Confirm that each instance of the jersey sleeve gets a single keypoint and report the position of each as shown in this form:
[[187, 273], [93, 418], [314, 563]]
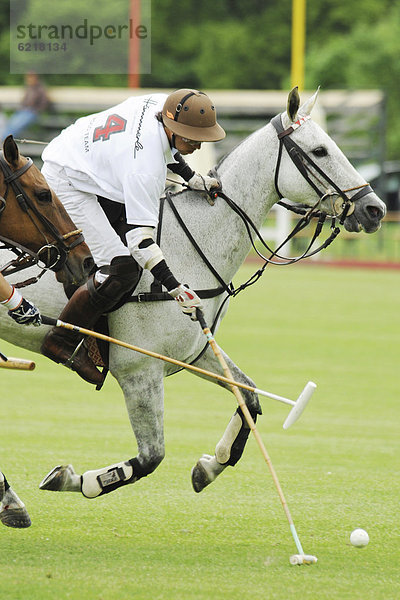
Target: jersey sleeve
[[141, 193]]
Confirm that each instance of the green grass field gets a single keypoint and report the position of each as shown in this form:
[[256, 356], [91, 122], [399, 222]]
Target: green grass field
[[157, 540]]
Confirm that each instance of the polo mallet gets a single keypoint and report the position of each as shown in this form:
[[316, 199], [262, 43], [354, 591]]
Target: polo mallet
[[296, 559], [298, 406], [16, 363]]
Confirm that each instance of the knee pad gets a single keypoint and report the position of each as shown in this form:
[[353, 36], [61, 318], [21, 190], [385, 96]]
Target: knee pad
[[112, 282], [230, 448]]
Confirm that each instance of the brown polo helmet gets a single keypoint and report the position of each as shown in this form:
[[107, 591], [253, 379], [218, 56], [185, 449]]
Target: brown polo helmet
[[191, 114]]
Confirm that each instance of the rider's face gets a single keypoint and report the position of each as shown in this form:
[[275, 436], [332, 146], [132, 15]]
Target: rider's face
[[182, 144], [186, 146]]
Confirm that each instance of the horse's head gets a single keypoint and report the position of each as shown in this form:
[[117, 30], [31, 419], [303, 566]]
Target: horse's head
[[323, 177], [32, 216]]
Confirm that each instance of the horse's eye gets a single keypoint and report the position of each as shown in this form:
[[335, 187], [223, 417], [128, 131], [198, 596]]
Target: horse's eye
[[44, 196], [320, 151]]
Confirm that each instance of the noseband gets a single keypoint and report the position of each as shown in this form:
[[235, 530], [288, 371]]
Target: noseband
[[344, 205], [53, 254]]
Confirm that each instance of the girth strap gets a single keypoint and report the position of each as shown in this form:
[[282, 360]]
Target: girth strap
[[162, 296]]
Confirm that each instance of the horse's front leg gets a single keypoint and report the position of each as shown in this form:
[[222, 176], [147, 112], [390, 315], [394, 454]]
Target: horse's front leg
[[144, 396], [231, 446], [12, 510]]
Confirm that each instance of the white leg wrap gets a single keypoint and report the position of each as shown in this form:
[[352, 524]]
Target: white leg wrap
[[224, 446], [96, 482]]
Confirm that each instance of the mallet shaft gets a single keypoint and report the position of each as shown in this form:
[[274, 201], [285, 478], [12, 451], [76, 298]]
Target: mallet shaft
[[274, 396], [174, 361], [252, 425]]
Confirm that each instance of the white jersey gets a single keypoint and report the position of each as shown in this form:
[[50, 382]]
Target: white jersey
[[120, 153]]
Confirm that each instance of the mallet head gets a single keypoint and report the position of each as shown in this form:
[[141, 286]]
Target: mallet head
[[303, 559], [300, 405]]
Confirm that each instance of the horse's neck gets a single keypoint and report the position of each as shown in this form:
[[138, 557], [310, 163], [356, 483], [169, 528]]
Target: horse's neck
[[247, 174]]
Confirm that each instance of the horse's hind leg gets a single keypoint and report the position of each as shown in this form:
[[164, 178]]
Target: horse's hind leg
[[231, 446], [144, 399]]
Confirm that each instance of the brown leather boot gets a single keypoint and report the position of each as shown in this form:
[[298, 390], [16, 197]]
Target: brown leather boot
[[62, 345]]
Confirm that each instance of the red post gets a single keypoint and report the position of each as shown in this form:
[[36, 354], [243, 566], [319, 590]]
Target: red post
[[134, 45]]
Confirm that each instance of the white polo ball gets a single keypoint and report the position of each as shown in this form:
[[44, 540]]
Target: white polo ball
[[359, 538]]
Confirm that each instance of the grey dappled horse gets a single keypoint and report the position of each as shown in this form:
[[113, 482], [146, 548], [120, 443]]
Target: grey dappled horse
[[251, 175]]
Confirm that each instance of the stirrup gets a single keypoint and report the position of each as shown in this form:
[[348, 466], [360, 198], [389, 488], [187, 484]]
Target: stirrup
[[70, 362]]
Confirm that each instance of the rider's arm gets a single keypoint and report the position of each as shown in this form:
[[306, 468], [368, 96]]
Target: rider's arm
[[19, 309], [195, 180], [5, 289], [181, 168], [142, 192], [149, 256]]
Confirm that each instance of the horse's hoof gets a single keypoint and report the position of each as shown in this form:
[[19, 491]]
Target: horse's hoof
[[61, 479], [201, 476], [15, 517]]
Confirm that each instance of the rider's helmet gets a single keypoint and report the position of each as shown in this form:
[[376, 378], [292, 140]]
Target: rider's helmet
[[191, 114]]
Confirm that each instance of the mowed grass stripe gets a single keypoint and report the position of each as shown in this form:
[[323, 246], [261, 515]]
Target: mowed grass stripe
[[338, 465]]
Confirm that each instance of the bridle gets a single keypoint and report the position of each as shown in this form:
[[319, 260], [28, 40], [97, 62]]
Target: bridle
[[304, 164], [343, 206], [53, 254]]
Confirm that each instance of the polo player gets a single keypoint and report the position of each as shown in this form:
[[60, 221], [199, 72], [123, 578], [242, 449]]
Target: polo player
[[122, 154]]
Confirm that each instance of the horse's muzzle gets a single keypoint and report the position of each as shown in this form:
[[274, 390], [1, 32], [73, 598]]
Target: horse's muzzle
[[367, 216]]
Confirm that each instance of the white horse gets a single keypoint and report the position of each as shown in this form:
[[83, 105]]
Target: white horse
[[255, 175]]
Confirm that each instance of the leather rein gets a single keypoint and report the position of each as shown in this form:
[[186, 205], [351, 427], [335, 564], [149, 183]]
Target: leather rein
[[53, 254], [342, 207]]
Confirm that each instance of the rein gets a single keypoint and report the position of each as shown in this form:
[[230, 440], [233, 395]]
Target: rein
[[314, 175], [53, 254]]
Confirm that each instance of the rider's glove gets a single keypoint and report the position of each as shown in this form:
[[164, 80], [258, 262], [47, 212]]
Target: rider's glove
[[204, 183], [187, 299], [26, 314]]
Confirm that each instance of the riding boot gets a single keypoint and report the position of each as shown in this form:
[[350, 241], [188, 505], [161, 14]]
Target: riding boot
[[65, 346], [102, 293]]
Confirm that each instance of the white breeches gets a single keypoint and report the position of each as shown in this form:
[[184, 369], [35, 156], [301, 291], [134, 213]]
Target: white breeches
[[87, 214]]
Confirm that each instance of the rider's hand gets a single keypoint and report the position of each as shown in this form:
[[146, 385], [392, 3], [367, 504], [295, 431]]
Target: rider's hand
[[187, 299], [203, 182], [26, 314]]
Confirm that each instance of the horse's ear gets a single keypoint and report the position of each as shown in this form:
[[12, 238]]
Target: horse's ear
[[293, 104], [306, 108], [10, 150]]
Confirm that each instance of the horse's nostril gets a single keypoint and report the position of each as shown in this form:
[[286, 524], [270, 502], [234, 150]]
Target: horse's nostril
[[375, 212], [88, 264]]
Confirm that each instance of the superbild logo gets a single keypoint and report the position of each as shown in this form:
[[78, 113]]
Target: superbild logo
[[83, 31]]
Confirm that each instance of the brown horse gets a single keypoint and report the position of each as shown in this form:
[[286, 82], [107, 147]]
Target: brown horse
[[34, 223], [36, 227]]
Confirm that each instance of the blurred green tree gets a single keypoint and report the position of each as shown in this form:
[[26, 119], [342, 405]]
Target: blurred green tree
[[246, 44]]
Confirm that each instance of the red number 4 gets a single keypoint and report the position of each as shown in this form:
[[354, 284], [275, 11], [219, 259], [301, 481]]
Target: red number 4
[[114, 124]]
